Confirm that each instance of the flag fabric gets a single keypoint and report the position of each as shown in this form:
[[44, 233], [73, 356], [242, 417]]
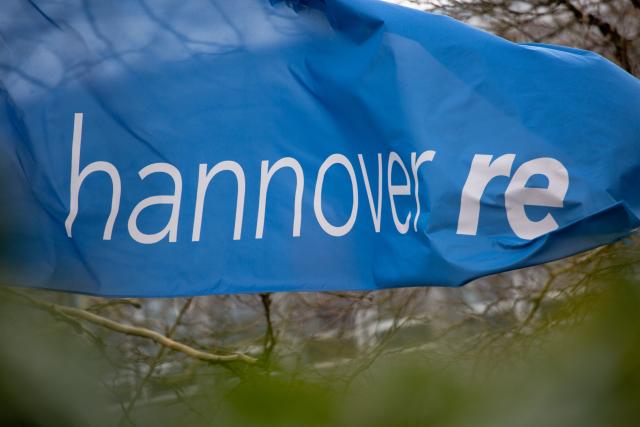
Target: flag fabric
[[171, 148]]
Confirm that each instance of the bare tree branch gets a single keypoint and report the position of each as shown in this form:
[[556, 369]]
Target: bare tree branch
[[76, 313], [620, 43], [269, 337]]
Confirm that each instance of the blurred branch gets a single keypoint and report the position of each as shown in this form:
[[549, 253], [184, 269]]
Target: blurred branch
[[620, 43], [576, 266], [76, 313], [269, 337], [97, 307], [154, 363]]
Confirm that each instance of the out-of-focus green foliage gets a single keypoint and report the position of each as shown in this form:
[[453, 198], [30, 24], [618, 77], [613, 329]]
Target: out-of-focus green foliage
[[576, 373], [48, 377], [586, 375]]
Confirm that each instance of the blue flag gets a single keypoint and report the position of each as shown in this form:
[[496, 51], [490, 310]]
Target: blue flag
[[170, 148]]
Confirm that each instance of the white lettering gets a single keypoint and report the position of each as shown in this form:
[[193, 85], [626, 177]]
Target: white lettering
[[171, 228], [426, 156], [77, 178], [265, 177], [376, 213], [518, 196], [204, 178], [337, 231], [482, 171], [398, 190]]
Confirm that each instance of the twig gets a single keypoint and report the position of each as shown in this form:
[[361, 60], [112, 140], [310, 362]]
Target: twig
[[154, 363], [269, 337]]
